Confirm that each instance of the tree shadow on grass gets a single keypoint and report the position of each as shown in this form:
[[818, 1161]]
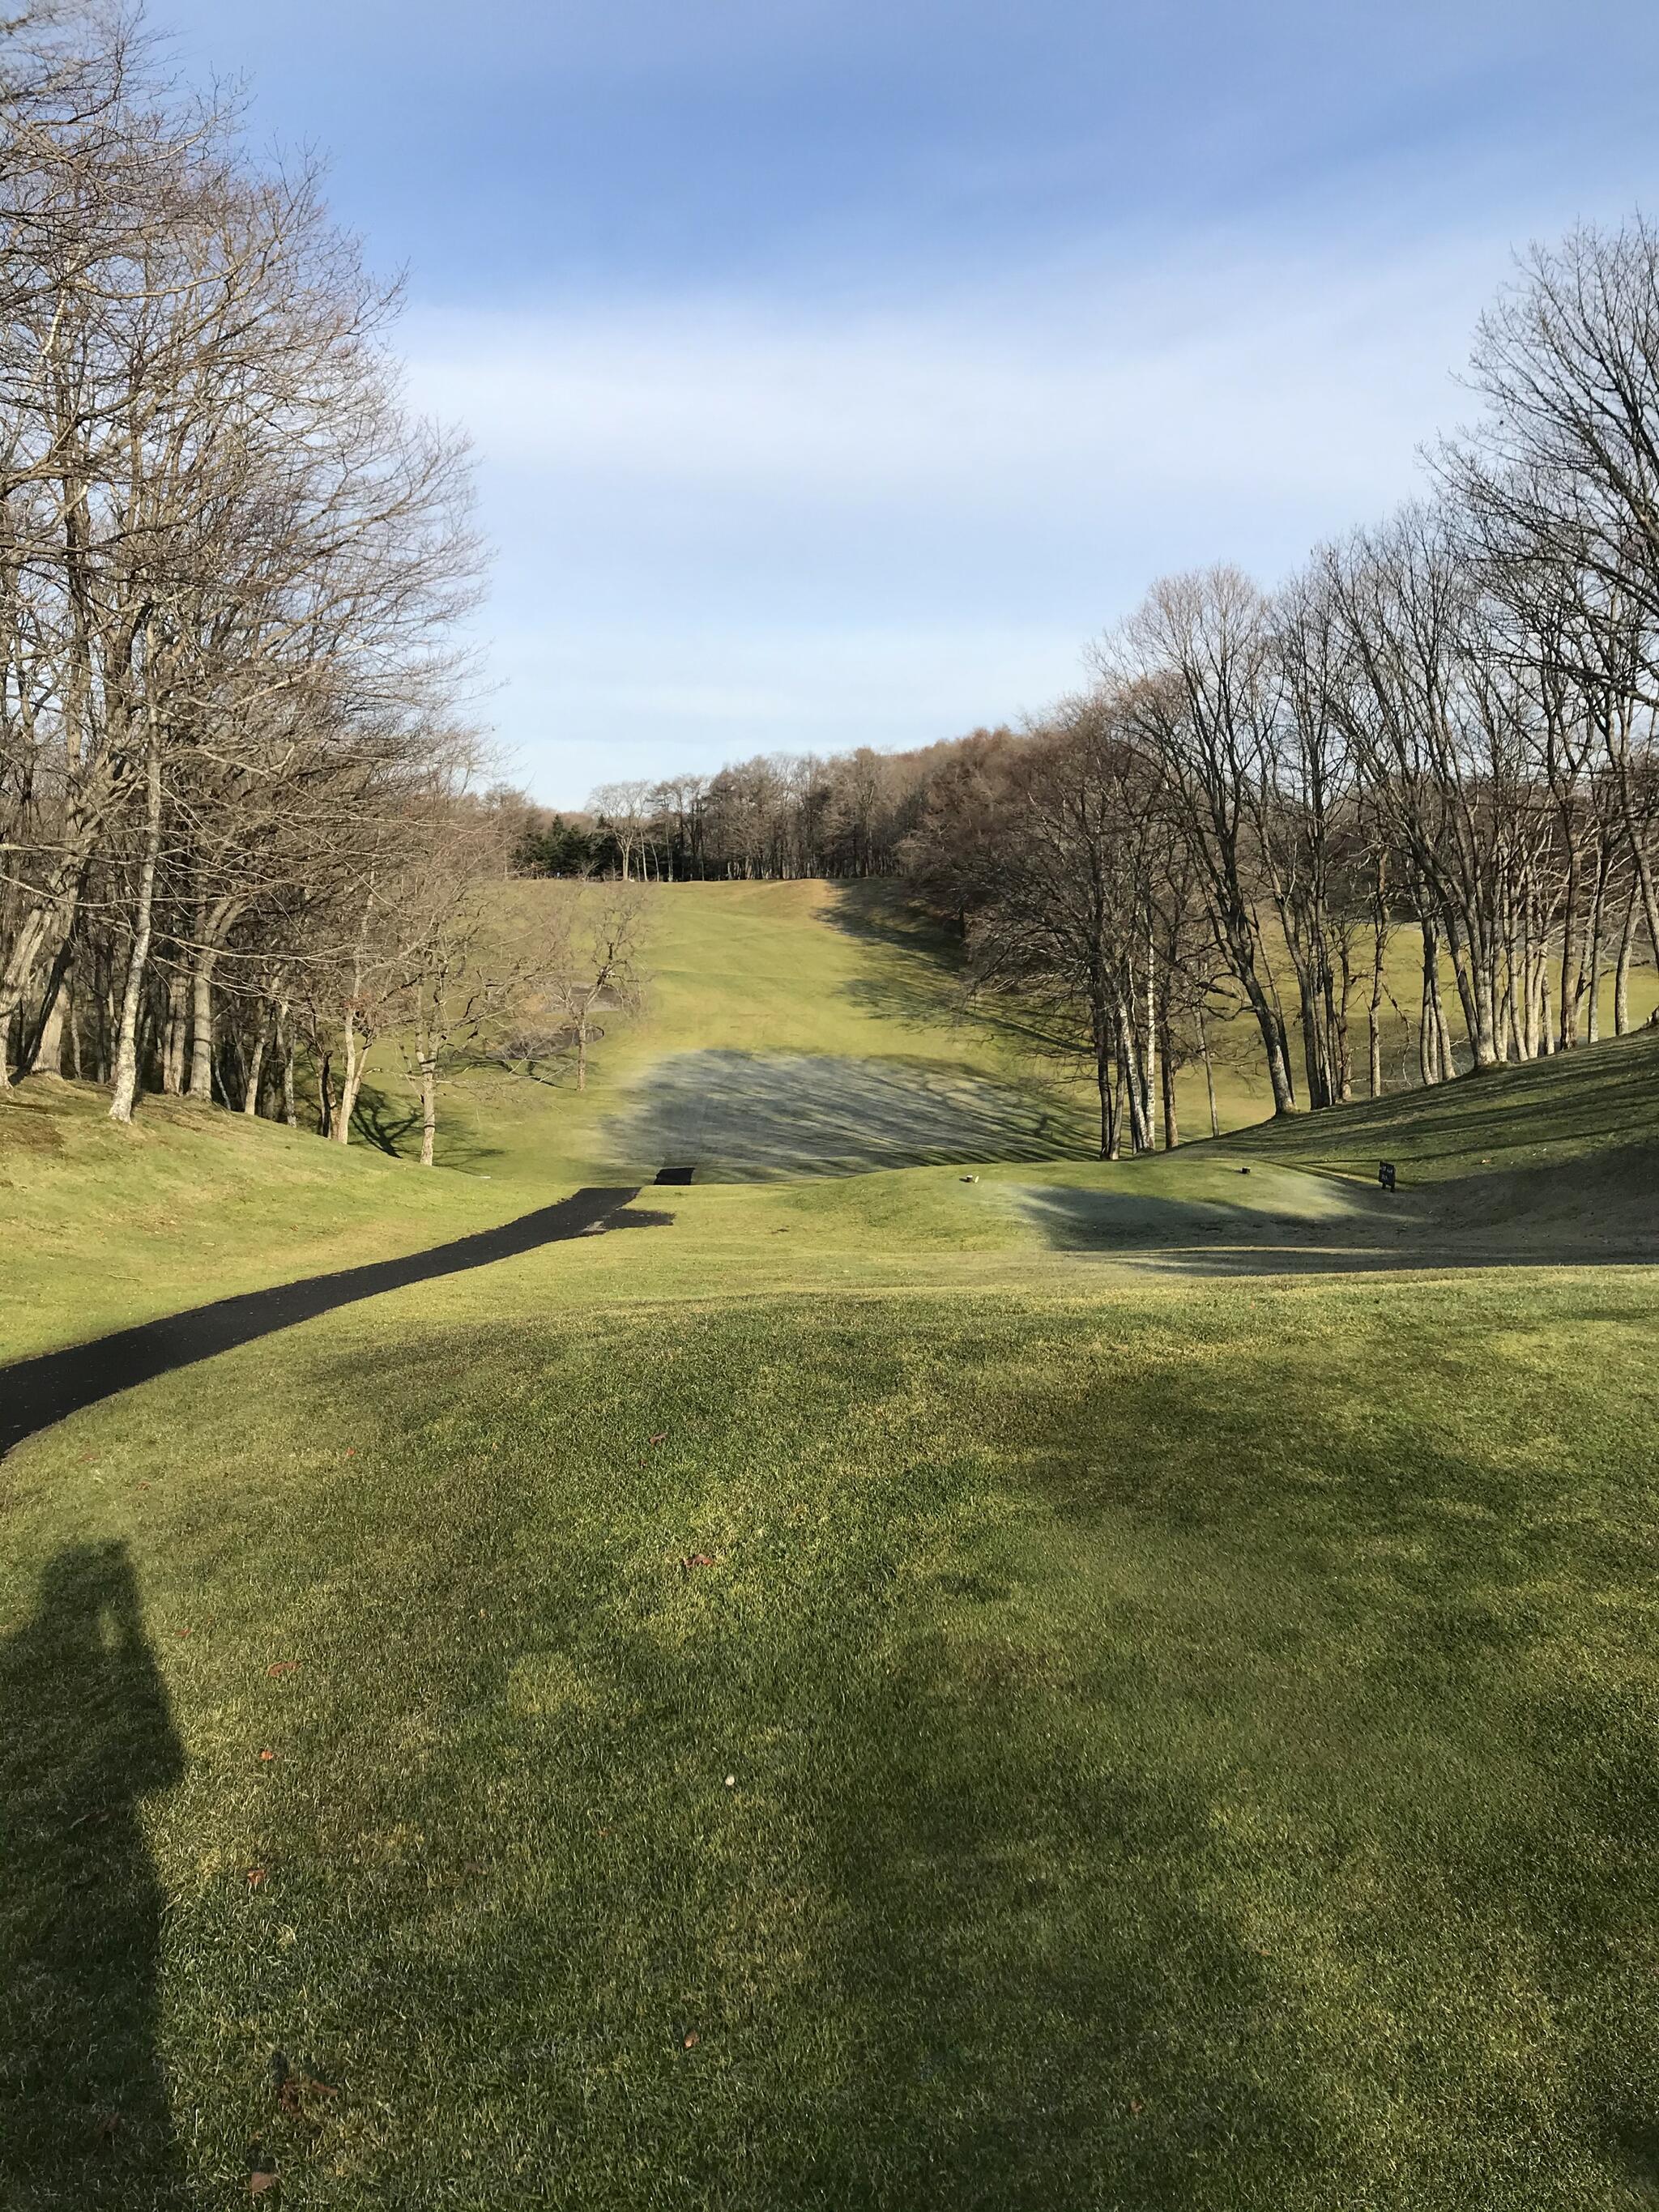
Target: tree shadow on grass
[[759, 1117], [1602, 1096], [392, 1124], [86, 1734], [47, 1388], [1602, 1211], [919, 981], [383, 1121]]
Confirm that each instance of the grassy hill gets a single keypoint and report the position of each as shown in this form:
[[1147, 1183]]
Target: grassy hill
[[791, 1032], [1125, 1686]]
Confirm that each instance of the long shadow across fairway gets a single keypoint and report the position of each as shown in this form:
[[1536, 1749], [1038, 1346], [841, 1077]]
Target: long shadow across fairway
[[35, 1393]]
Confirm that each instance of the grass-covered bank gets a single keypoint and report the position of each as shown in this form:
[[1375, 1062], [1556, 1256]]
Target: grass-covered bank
[[1187, 1747], [100, 1226], [803, 1042], [1183, 1665]]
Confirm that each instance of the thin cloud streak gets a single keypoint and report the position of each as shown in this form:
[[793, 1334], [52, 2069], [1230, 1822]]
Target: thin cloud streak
[[974, 487]]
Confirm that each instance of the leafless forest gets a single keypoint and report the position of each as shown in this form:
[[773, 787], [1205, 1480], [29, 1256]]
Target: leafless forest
[[1445, 723], [234, 750]]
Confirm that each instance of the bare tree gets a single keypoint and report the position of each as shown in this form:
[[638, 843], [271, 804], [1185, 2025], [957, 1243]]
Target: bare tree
[[1202, 683], [579, 954]]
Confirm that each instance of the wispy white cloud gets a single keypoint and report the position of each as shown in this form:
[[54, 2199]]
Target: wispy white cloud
[[682, 487], [1214, 379]]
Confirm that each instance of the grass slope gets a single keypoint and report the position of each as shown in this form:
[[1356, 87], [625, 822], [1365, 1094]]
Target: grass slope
[[791, 1030], [1188, 1739], [101, 1225], [1187, 1748]]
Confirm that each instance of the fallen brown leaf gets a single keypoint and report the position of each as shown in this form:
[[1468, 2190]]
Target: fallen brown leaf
[[282, 1666], [697, 1560], [263, 1755], [257, 2183], [109, 2127], [690, 2040], [661, 1436], [256, 1876]]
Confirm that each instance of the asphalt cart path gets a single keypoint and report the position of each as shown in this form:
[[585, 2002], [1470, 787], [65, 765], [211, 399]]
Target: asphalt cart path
[[35, 1393]]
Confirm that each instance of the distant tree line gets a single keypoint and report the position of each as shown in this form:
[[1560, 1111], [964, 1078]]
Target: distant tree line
[[779, 817], [1444, 723]]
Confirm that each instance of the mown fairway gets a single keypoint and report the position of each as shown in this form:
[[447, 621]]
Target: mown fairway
[[1183, 1652]]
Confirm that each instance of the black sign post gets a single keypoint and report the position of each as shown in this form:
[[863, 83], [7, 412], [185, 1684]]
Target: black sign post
[[1385, 1174]]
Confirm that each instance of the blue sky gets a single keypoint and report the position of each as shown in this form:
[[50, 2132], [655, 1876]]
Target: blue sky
[[837, 370]]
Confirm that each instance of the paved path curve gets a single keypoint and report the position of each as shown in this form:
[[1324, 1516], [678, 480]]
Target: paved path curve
[[35, 1393]]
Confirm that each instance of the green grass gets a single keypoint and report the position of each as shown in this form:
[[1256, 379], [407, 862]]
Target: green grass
[[1183, 1645], [104, 1225], [100, 1226], [787, 1027], [1189, 1749]]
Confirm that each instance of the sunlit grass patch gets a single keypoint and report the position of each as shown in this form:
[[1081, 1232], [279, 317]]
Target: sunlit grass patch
[[1184, 1747]]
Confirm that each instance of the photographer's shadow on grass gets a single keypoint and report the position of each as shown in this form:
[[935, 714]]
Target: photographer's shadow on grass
[[86, 1735]]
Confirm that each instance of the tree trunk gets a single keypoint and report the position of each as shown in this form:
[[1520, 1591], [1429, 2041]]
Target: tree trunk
[[1209, 1071], [1568, 1036], [44, 931], [352, 1081], [1340, 1041], [1428, 1036], [1274, 1044], [1166, 1077], [47, 1058], [1131, 1065], [255, 1068], [1149, 1069], [1587, 989], [1103, 1084], [428, 1110], [174, 1033], [1313, 1041], [1621, 972], [126, 1047], [201, 1022]]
